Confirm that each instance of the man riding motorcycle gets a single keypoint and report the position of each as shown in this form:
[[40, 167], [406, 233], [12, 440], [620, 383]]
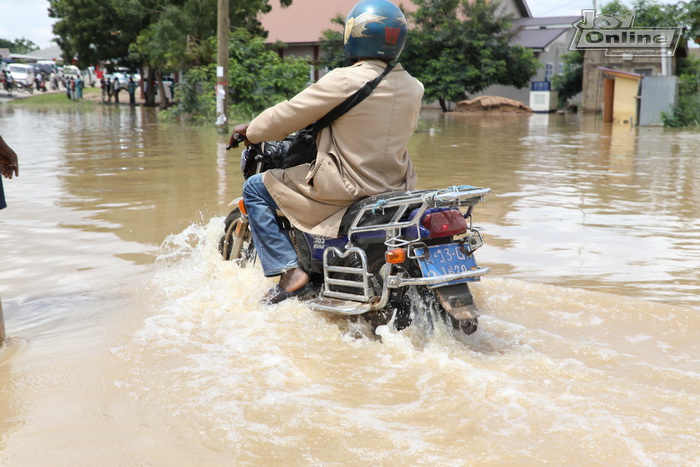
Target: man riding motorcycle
[[360, 154]]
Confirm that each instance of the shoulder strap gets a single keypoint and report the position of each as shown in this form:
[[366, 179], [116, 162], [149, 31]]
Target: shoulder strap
[[351, 101]]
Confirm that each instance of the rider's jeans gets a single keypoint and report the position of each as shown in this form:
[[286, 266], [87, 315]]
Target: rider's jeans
[[276, 251]]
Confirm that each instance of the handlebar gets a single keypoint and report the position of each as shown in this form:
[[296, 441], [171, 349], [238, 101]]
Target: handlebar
[[237, 139]]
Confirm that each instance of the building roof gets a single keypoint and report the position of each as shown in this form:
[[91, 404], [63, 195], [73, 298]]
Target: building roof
[[49, 53], [620, 73], [552, 21], [538, 38], [304, 21], [523, 8]]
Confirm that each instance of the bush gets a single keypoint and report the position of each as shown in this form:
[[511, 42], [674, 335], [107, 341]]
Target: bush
[[687, 110], [685, 113], [258, 78], [570, 83]]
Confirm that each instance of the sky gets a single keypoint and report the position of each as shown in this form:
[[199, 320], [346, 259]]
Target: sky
[[29, 19]]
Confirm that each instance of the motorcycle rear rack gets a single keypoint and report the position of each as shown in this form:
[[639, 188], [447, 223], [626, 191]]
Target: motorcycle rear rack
[[421, 200]]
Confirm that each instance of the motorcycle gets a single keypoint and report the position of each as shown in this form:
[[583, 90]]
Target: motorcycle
[[40, 85], [24, 87], [393, 250]]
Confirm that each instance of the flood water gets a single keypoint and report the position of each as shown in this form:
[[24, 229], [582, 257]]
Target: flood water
[[131, 343]]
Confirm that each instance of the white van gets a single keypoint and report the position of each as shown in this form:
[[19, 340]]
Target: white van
[[22, 73], [71, 71]]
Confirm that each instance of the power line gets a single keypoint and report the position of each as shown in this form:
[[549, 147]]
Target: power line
[[561, 6]]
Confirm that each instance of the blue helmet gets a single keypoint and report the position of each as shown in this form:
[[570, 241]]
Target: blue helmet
[[375, 29]]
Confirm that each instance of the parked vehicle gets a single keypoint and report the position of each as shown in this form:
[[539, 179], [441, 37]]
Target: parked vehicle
[[44, 66], [22, 75], [71, 71], [123, 75], [393, 250]]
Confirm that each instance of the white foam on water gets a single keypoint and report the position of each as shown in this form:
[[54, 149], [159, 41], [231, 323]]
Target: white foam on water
[[284, 382]]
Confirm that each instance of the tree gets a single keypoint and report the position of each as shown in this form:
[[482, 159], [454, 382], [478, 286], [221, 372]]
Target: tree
[[570, 82], [103, 30], [159, 35], [18, 46], [331, 45], [461, 47], [94, 31], [650, 13], [258, 78]]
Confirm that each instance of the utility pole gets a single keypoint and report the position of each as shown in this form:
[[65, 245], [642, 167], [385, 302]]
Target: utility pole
[[222, 67]]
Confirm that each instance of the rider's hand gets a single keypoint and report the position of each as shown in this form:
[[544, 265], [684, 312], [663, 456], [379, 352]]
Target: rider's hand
[[8, 160], [239, 130]]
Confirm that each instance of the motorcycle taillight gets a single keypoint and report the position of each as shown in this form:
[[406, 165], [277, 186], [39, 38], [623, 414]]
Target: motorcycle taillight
[[444, 223]]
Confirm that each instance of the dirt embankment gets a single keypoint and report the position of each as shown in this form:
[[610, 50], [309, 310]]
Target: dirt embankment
[[492, 104]]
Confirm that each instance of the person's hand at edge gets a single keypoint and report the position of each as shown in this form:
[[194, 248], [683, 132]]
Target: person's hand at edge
[[9, 166]]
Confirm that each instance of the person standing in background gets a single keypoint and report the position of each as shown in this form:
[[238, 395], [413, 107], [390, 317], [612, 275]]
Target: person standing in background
[[79, 83], [116, 87], [132, 91]]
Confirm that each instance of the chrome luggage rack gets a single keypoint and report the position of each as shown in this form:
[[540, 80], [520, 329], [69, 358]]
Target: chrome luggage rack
[[422, 200], [349, 303]]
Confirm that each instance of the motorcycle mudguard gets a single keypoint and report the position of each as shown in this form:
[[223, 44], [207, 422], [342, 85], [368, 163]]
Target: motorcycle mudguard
[[457, 300]]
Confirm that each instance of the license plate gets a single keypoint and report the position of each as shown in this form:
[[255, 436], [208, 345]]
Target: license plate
[[441, 260]]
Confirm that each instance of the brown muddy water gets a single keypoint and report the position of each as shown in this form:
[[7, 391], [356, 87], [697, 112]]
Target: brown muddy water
[[131, 343]]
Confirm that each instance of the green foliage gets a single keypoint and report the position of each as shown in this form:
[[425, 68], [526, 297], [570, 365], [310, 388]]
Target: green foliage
[[687, 110], [331, 45], [195, 93], [162, 31], [95, 31], [461, 47], [688, 71], [652, 13], [258, 79], [18, 46], [685, 113], [570, 82]]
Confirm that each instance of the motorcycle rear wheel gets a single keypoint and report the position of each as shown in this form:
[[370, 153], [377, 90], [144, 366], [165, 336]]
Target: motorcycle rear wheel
[[426, 298]]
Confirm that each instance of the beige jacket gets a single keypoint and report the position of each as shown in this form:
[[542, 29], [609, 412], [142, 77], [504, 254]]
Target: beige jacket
[[360, 154]]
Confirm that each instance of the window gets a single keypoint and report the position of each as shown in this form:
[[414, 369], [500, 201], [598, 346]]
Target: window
[[548, 70], [644, 71]]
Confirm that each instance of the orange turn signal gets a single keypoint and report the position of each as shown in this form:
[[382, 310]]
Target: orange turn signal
[[241, 207], [396, 256]]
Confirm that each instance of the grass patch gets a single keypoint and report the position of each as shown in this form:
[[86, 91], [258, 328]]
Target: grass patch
[[58, 99]]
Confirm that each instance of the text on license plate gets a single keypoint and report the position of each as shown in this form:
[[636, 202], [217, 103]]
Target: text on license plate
[[445, 259]]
